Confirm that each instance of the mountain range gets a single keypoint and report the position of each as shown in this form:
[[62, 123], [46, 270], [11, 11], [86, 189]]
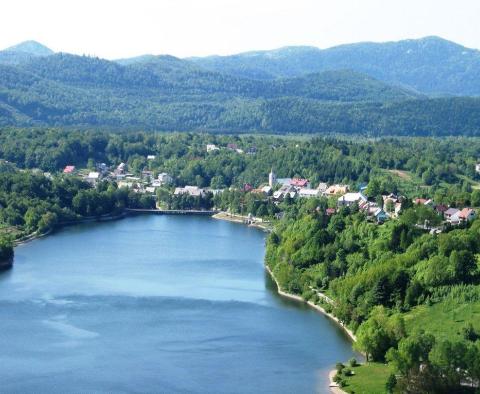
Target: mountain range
[[406, 87]]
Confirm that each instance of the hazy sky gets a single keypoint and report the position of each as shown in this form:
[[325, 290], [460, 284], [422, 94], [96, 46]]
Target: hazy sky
[[123, 28]]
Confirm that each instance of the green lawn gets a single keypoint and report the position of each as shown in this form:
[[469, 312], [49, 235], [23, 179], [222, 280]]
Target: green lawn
[[408, 183], [369, 378], [444, 320]]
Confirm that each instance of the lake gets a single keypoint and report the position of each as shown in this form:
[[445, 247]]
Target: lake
[[158, 304]]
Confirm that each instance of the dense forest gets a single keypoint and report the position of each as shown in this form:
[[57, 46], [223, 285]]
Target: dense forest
[[169, 94]]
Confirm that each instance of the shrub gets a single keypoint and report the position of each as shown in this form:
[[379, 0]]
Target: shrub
[[353, 362], [347, 372], [339, 367]]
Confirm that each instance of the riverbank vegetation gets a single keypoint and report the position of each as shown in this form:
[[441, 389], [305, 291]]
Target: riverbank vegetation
[[32, 203], [409, 296]]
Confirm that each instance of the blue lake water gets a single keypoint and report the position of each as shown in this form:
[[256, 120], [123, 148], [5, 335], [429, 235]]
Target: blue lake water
[[157, 304]]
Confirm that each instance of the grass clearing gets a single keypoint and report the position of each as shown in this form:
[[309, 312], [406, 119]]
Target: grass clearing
[[445, 320], [369, 378]]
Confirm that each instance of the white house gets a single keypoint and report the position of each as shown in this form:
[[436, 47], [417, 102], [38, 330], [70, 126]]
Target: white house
[[93, 178], [194, 191], [322, 187], [150, 189], [351, 198], [304, 192], [477, 168], [212, 147], [164, 178], [151, 157]]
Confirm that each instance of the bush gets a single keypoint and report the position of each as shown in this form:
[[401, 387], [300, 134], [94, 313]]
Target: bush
[[347, 372], [353, 362], [339, 367]]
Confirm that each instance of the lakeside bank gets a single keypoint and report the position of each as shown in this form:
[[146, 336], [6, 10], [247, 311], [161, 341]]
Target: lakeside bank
[[230, 217]]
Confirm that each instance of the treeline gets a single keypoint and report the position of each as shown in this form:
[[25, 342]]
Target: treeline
[[435, 163], [31, 202]]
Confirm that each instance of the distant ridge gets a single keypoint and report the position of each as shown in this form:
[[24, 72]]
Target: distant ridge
[[32, 48], [430, 65], [378, 89]]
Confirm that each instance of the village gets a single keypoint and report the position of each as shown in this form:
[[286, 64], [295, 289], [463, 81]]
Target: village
[[277, 190]]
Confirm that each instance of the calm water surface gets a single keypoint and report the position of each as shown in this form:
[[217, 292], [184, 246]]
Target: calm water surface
[[160, 304]]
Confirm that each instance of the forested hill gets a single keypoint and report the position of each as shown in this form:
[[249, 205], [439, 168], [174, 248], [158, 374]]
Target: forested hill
[[430, 65], [41, 88]]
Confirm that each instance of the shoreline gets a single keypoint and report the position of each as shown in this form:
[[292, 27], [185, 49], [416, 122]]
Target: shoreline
[[229, 217], [349, 332], [334, 387]]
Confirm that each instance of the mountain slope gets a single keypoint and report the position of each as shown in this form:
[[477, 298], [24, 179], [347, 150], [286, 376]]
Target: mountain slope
[[167, 93], [31, 47], [429, 65], [24, 52]]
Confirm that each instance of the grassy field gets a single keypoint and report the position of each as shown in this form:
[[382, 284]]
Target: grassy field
[[408, 183], [368, 379], [445, 320]]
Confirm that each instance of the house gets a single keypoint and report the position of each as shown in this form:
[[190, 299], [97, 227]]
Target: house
[[193, 191], [466, 214], [252, 150], [477, 168], [451, 215], [330, 211], [102, 167], [420, 201], [441, 209], [121, 168], [164, 179], [380, 215], [69, 170], [212, 147], [150, 189], [304, 192], [300, 183], [267, 190], [147, 174], [93, 178], [284, 181], [284, 191], [322, 186], [336, 190], [349, 199], [231, 146], [151, 157], [247, 187]]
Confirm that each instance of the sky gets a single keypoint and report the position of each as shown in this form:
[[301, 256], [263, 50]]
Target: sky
[[121, 28]]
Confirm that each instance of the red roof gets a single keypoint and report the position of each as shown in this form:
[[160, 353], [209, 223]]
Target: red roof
[[299, 182], [464, 213], [247, 187], [68, 169], [420, 201], [441, 208], [330, 211]]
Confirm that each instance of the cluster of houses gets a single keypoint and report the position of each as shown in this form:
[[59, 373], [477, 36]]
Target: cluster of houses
[[232, 147], [451, 215], [146, 183], [278, 189]]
